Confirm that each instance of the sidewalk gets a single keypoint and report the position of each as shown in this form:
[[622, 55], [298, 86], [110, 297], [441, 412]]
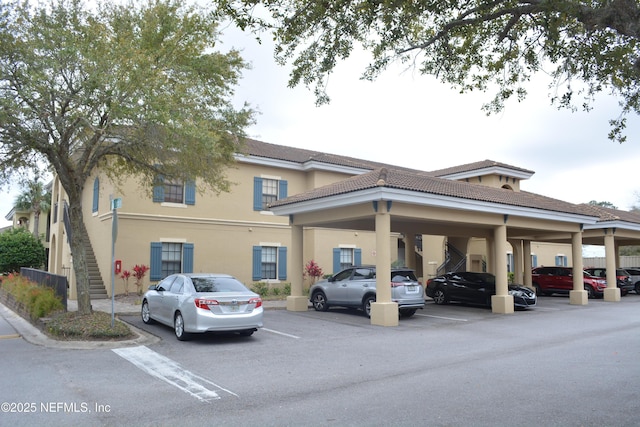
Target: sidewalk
[[10, 321]]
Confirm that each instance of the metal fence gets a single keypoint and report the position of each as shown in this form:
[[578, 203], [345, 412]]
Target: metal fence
[[44, 278]]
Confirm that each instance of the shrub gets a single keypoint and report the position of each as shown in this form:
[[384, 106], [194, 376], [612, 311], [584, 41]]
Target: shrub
[[38, 301], [19, 248], [260, 288]]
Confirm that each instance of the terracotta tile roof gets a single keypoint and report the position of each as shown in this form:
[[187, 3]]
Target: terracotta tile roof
[[422, 181], [404, 180], [469, 167], [608, 214], [302, 156]]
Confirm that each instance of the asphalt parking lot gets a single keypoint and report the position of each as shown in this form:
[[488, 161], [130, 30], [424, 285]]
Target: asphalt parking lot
[[452, 365]]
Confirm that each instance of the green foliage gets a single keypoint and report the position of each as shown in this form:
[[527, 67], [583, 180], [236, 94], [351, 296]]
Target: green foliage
[[603, 204], [136, 89], [19, 248], [260, 288], [38, 301], [265, 290], [587, 47]]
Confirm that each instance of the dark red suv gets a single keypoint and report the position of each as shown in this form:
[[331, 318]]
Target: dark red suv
[[550, 280]]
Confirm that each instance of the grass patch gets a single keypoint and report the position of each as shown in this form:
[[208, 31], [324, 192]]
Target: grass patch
[[94, 326]]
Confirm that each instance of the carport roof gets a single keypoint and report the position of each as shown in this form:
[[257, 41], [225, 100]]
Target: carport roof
[[430, 185]]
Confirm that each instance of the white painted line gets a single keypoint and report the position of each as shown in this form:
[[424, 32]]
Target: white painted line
[[442, 317], [280, 333], [171, 372]]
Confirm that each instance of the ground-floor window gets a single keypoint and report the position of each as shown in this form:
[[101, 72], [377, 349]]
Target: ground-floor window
[[269, 262]]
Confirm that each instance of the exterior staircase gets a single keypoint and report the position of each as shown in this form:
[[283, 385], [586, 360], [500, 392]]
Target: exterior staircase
[[96, 284]]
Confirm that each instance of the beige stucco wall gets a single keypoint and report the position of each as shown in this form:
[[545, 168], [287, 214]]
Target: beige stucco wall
[[223, 228]]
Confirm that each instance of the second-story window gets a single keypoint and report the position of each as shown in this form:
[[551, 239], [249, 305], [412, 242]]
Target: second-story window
[[173, 191], [267, 190]]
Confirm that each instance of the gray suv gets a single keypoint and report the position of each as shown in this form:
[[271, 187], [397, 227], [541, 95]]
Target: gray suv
[[356, 287]]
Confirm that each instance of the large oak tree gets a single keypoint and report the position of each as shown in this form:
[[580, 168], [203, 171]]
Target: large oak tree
[[587, 47], [135, 89]]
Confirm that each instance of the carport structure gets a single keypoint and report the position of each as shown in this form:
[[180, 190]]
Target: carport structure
[[389, 200]]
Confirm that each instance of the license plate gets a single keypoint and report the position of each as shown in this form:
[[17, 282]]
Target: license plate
[[235, 307], [412, 289]]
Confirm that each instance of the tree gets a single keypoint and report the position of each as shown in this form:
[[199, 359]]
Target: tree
[[34, 198], [134, 89], [603, 204], [19, 248], [586, 47]]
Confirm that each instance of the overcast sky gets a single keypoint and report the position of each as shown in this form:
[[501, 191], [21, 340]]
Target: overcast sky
[[411, 120]]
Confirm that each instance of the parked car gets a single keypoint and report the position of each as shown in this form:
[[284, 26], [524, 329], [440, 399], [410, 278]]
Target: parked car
[[475, 288], [356, 287], [623, 280], [550, 280], [198, 303], [634, 275]]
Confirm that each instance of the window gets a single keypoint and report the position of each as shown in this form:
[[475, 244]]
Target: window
[[96, 195], [169, 258], [510, 263], [534, 260], [561, 260], [166, 191], [345, 258], [267, 191], [269, 263], [173, 192]]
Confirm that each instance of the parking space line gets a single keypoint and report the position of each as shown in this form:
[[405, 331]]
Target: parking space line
[[171, 372], [280, 333], [442, 317]]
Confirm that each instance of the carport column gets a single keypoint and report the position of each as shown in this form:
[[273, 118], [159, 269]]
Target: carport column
[[578, 296], [296, 301], [612, 292], [410, 250], [383, 311], [501, 302], [526, 258]]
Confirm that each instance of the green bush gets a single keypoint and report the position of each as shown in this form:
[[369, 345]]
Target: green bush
[[19, 248], [38, 301], [260, 288]]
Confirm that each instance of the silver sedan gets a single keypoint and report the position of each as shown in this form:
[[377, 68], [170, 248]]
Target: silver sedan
[[202, 302]]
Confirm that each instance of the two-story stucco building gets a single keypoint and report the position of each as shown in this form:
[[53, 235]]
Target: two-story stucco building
[[288, 206]]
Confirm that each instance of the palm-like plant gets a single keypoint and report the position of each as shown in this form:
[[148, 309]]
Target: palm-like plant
[[34, 198]]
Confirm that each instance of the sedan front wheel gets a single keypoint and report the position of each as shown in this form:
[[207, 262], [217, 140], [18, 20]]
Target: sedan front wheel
[[146, 313]]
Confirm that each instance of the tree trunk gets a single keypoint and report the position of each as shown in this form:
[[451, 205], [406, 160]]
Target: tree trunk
[[78, 234], [36, 224]]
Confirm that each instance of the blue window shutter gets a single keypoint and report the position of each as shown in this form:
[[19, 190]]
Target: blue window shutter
[[282, 263], [190, 193], [187, 258], [257, 193], [534, 261], [282, 189], [257, 263], [155, 266], [357, 256], [158, 190], [96, 195], [558, 263], [336, 260]]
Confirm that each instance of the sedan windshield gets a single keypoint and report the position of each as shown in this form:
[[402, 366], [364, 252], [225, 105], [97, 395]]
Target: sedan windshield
[[217, 284]]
